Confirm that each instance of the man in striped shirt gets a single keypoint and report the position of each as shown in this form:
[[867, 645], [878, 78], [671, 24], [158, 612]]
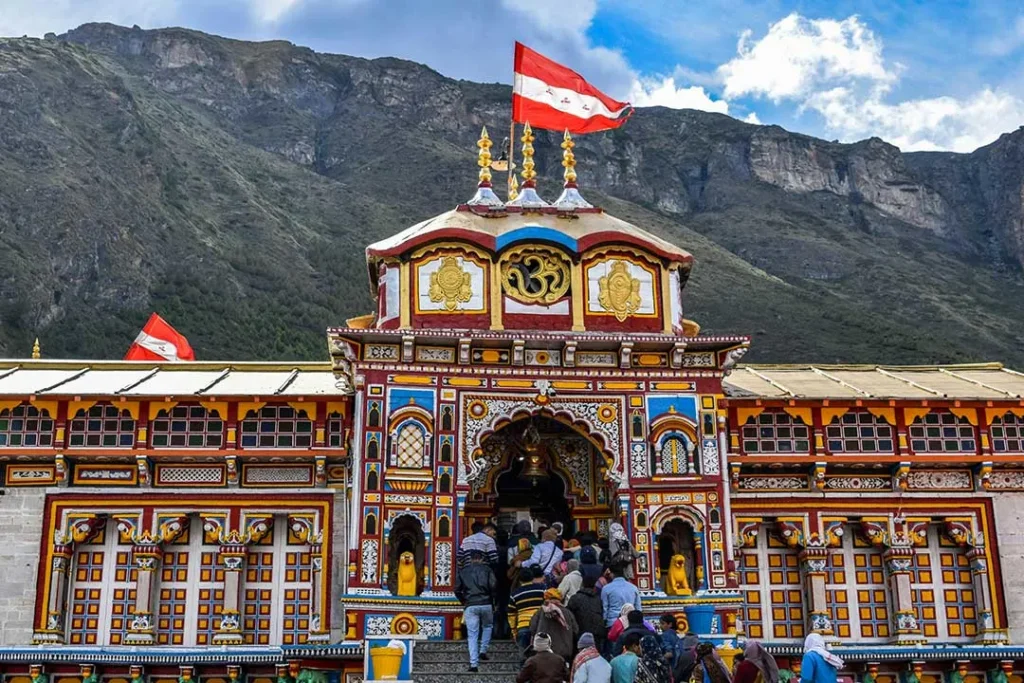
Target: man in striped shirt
[[523, 603], [482, 541]]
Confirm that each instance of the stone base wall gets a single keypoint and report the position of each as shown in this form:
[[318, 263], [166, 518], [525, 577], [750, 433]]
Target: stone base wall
[[21, 526], [1009, 510]]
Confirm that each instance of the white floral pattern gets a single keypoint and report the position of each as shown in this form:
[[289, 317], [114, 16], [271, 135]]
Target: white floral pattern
[[443, 564], [377, 626], [1006, 480], [639, 462], [940, 480], [772, 483], [710, 463], [369, 557], [859, 483]]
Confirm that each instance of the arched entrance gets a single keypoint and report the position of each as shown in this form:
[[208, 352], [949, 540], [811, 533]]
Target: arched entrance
[[546, 471], [677, 538]]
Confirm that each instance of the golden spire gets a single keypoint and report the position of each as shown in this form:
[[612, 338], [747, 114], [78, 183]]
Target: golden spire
[[568, 159], [528, 173], [528, 198], [513, 190], [484, 196], [36, 355], [570, 199], [483, 159]]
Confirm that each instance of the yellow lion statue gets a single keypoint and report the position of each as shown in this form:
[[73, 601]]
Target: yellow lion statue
[[677, 583], [406, 574]]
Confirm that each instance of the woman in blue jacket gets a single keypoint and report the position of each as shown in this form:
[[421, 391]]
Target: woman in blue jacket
[[818, 665]]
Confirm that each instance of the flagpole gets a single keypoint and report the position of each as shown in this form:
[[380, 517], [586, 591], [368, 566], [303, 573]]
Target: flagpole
[[511, 143]]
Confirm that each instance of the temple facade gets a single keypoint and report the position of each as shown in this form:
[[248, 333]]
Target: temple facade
[[218, 521]]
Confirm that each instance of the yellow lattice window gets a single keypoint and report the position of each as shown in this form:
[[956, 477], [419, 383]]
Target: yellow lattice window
[[409, 447]]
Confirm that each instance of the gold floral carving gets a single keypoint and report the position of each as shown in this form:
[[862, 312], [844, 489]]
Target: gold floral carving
[[619, 291], [535, 276], [450, 284]]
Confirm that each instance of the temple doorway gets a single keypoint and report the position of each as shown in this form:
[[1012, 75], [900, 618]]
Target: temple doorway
[[546, 471]]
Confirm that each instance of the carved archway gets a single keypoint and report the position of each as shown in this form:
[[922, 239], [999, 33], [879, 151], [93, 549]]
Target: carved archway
[[599, 420]]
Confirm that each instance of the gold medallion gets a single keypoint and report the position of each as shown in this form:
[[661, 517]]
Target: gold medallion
[[450, 284], [619, 291]]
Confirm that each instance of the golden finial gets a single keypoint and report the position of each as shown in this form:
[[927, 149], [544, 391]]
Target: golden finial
[[570, 199], [528, 173], [36, 354], [513, 189], [568, 159], [484, 158], [484, 196]]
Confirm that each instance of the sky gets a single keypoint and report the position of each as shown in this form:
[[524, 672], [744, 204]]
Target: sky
[[921, 74]]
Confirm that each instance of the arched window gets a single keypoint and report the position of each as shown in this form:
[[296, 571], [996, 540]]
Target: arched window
[[446, 451], [858, 431], [675, 455], [188, 426], [26, 426], [638, 426], [776, 431], [373, 448], [715, 517], [370, 525], [447, 419], [1008, 434], [102, 426], [373, 418], [445, 485], [444, 527], [942, 432], [408, 450], [372, 481]]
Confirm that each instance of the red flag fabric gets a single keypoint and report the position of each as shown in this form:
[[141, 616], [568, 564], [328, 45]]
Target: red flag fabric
[[551, 96], [160, 342]]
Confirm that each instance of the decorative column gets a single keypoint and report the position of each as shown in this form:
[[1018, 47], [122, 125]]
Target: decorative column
[[146, 558], [813, 561], [229, 631], [52, 631], [897, 558], [961, 533], [304, 528]]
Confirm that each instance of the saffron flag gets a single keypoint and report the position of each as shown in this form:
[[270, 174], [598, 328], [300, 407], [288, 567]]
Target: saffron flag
[[159, 341], [551, 96]]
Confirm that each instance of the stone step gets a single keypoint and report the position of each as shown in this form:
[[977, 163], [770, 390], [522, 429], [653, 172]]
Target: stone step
[[464, 676], [434, 646], [495, 656], [488, 667]]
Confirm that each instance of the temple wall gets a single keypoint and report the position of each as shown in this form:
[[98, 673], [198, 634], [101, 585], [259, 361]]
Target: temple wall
[[1009, 511], [21, 523]]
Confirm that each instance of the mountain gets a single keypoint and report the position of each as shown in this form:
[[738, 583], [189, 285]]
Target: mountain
[[232, 186]]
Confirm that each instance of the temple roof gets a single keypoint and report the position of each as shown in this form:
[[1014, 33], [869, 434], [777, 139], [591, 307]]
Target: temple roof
[[133, 378], [576, 232], [985, 381], [977, 381]]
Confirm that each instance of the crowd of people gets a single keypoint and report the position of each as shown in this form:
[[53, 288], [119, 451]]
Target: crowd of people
[[576, 617]]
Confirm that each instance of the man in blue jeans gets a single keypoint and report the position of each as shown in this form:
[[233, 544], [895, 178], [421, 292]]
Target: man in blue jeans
[[475, 588]]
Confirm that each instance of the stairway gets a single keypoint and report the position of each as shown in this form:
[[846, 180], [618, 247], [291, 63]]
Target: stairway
[[447, 661]]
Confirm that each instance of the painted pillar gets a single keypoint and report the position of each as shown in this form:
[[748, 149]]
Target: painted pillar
[[988, 634], [813, 560], [898, 559], [319, 630], [229, 631], [146, 558], [53, 630]]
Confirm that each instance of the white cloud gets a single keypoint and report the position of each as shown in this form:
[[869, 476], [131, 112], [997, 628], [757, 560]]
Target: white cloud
[[752, 118], [837, 69], [797, 55], [665, 93]]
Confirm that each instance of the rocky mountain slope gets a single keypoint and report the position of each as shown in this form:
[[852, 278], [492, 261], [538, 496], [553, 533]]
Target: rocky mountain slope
[[232, 186]]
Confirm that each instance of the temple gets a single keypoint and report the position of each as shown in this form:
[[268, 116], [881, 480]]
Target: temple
[[220, 521]]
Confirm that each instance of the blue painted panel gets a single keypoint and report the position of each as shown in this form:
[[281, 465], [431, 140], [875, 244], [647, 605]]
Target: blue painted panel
[[532, 233], [684, 405], [398, 397]]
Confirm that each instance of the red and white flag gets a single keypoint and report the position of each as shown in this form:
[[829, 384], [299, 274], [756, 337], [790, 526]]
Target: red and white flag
[[159, 341], [551, 96]]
